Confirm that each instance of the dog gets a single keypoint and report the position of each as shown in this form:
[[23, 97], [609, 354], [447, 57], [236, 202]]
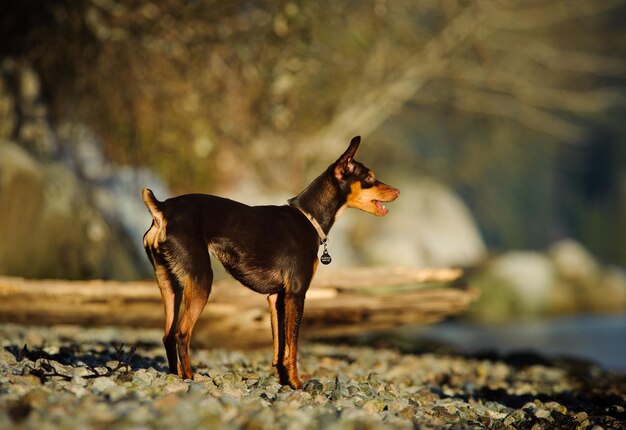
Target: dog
[[272, 250]]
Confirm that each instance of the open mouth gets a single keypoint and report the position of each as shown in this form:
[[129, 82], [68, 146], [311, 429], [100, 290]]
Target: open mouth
[[380, 207]]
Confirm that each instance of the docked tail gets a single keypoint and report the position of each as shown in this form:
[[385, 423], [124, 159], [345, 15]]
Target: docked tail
[[153, 205]]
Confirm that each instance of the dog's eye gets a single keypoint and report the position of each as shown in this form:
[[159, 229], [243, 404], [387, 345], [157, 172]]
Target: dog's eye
[[369, 181]]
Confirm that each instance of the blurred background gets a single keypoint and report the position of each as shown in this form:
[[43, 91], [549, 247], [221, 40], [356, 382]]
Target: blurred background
[[502, 122]]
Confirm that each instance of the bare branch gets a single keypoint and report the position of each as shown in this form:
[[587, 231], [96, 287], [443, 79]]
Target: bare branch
[[506, 106], [478, 21], [577, 101], [562, 60], [550, 14], [371, 109]]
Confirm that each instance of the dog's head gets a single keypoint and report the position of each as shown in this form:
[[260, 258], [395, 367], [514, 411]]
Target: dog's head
[[358, 182]]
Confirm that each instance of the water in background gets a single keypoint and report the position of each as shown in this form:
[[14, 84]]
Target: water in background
[[598, 338]]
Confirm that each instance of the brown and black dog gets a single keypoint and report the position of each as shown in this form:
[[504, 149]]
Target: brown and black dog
[[269, 249]]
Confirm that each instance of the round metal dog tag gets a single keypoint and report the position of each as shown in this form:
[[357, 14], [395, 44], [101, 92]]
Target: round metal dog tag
[[325, 258]]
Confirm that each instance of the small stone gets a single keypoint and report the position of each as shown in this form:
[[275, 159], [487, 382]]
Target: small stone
[[142, 378], [542, 413], [314, 387], [514, 417], [231, 378], [581, 416], [352, 390], [251, 382], [194, 387], [81, 372], [7, 357], [554, 406], [444, 414], [173, 378], [26, 379], [408, 412], [339, 391], [78, 390], [115, 393], [398, 405], [202, 378], [78, 381], [101, 385], [346, 403], [37, 398], [372, 406], [374, 379], [176, 387], [166, 402], [212, 406]]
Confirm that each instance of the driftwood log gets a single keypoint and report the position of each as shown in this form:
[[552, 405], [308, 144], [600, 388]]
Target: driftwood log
[[339, 303]]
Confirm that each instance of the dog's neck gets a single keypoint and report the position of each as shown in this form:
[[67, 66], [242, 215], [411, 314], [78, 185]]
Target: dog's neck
[[322, 200]]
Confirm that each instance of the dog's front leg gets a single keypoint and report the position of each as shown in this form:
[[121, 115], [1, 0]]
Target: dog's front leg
[[294, 308], [276, 304]]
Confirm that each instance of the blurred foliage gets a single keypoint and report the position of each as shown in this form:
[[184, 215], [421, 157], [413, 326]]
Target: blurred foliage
[[517, 104]]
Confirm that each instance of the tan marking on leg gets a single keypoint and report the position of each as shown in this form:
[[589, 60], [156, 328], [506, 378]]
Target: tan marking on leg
[[171, 296], [196, 293], [293, 317], [272, 301]]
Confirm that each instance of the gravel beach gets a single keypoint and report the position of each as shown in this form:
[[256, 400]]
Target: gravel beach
[[72, 377]]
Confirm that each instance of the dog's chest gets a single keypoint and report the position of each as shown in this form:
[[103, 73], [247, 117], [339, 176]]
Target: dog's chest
[[253, 270]]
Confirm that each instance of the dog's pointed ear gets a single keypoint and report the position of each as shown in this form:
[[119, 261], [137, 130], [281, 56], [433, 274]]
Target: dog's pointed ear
[[344, 165]]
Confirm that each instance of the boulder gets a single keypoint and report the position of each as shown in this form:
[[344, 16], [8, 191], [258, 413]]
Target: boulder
[[516, 284], [530, 274], [574, 262], [49, 227], [66, 211], [584, 285], [566, 280]]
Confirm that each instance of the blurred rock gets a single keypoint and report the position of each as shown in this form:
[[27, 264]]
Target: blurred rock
[[614, 283], [564, 281], [67, 211], [513, 285], [48, 225], [530, 274], [584, 285], [573, 262], [21, 196]]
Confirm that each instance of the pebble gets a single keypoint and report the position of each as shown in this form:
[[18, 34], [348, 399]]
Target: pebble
[[350, 387], [314, 387]]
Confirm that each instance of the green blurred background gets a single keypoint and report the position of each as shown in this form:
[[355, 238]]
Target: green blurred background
[[502, 122]]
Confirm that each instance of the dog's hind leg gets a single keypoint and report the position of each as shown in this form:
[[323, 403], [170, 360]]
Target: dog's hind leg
[[171, 294], [196, 277]]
